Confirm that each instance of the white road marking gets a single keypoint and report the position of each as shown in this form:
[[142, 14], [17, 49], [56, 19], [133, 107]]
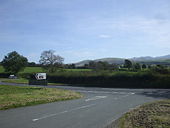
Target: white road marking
[[128, 94], [122, 93], [55, 114], [96, 98], [94, 91]]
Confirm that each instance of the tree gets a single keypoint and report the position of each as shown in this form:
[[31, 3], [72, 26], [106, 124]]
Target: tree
[[92, 65], [102, 65], [14, 62], [144, 66], [137, 66], [32, 64], [50, 61], [128, 64]]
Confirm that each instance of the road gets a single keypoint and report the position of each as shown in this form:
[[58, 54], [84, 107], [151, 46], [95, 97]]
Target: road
[[98, 108]]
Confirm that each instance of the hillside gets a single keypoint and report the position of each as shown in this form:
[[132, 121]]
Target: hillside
[[165, 60], [109, 60]]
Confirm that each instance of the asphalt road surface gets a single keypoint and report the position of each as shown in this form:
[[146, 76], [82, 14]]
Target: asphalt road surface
[[98, 108]]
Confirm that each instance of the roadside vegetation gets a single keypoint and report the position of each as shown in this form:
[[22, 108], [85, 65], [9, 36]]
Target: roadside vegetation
[[130, 74], [23, 81], [152, 115], [15, 96], [17, 81]]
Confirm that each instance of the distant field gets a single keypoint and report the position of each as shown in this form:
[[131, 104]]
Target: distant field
[[78, 70], [26, 70], [15, 96], [39, 69], [32, 70]]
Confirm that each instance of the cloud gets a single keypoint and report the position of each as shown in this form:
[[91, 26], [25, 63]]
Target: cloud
[[104, 36], [154, 31]]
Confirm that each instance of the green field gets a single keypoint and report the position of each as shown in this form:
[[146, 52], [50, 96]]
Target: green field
[[15, 96], [26, 70], [32, 70]]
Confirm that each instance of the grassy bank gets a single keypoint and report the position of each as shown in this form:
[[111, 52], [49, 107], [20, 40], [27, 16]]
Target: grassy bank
[[23, 81], [15, 96], [16, 81], [153, 115]]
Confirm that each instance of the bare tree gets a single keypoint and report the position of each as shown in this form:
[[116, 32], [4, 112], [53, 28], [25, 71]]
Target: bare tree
[[50, 61]]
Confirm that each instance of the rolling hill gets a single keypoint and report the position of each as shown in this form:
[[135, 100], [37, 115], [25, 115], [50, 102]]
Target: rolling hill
[[165, 60]]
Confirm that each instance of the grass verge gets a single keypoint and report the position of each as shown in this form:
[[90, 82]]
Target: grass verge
[[15, 96], [23, 81], [152, 115], [16, 81]]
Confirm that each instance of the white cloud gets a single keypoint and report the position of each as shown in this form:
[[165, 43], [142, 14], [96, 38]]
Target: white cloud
[[104, 36], [154, 31]]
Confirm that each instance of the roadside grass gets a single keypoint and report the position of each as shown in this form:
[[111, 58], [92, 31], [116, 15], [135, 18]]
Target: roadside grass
[[16, 81], [23, 81], [152, 115], [15, 96]]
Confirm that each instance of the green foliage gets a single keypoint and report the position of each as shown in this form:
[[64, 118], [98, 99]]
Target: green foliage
[[112, 80], [160, 69], [144, 66], [100, 65], [13, 62], [137, 66], [128, 64]]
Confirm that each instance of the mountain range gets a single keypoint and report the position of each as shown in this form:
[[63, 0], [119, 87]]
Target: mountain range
[[165, 60]]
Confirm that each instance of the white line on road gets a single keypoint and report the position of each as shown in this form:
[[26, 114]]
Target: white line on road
[[96, 98], [55, 114], [95, 91], [104, 92]]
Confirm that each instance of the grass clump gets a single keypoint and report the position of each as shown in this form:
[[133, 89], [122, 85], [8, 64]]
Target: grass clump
[[15, 96], [153, 115]]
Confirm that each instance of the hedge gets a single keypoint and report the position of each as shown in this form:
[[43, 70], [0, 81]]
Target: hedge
[[119, 80], [4, 75], [115, 81]]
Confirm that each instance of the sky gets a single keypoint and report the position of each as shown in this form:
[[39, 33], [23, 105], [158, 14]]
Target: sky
[[85, 29]]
